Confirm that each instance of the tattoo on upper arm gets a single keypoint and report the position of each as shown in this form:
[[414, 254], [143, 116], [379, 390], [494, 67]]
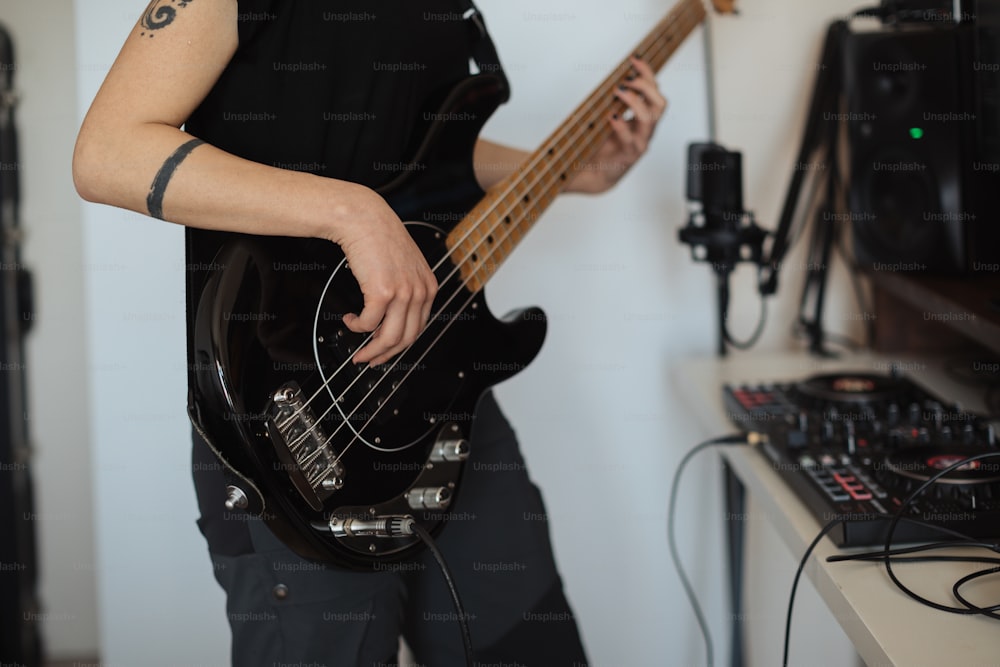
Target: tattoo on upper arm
[[154, 201], [160, 14]]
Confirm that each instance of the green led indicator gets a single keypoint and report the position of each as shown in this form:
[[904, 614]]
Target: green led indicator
[[916, 132]]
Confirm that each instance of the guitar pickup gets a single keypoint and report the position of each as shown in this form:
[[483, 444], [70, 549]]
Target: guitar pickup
[[302, 447]]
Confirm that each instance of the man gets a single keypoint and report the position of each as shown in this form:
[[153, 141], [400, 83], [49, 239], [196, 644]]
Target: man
[[272, 118]]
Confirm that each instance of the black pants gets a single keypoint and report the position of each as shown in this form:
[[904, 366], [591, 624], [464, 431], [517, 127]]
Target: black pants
[[285, 610]]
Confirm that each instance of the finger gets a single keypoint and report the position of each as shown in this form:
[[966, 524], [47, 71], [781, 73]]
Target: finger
[[405, 319], [388, 338], [649, 94], [643, 119], [634, 101], [416, 318], [425, 310], [369, 318], [624, 135], [643, 69], [645, 100], [414, 325], [374, 315], [645, 79]]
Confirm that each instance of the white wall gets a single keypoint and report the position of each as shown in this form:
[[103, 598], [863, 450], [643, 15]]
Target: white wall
[[598, 421], [155, 582]]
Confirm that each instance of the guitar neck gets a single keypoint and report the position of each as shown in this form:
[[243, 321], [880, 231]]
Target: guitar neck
[[481, 242]]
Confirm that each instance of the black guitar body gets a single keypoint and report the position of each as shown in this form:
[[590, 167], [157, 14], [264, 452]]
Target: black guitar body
[[334, 456]]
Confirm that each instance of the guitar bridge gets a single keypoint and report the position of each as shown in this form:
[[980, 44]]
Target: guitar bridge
[[301, 444]]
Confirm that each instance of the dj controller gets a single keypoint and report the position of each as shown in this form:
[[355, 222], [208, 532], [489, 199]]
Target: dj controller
[[856, 446]]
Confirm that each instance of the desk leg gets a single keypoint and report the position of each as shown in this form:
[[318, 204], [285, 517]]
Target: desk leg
[[735, 524]]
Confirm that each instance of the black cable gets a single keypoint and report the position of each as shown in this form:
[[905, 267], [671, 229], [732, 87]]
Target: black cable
[[672, 541], [888, 552], [724, 315], [463, 623], [934, 559], [795, 583], [956, 591], [887, 559], [895, 554]]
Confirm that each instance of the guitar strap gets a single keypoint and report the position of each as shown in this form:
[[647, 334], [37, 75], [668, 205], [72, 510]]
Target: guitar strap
[[484, 52]]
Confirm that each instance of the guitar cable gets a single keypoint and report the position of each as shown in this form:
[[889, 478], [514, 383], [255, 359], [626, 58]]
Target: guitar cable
[[887, 554], [967, 608], [463, 624], [735, 439]]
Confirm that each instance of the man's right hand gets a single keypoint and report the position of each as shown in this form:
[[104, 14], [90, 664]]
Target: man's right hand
[[397, 284]]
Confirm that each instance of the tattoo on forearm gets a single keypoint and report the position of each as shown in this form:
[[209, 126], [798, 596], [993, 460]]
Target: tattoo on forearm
[[154, 201], [160, 14]]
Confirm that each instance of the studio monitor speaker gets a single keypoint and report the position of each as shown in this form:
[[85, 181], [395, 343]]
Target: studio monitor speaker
[[915, 192]]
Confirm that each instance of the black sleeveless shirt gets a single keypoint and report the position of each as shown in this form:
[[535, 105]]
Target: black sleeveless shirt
[[330, 87], [326, 86]]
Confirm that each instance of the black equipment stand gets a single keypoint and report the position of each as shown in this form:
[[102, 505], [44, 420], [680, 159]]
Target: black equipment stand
[[20, 637]]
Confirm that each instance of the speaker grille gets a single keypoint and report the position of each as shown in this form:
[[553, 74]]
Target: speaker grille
[[908, 135]]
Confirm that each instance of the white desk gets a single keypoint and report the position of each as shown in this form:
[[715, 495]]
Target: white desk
[[886, 627]]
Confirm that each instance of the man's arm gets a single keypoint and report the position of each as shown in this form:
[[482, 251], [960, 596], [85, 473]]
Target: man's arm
[[131, 153]]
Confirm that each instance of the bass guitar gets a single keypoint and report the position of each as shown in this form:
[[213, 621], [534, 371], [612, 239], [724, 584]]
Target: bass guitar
[[344, 460]]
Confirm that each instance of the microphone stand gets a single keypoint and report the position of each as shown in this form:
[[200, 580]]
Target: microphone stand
[[720, 232]]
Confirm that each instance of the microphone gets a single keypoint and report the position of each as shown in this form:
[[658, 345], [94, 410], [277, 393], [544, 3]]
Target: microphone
[[719, 230]]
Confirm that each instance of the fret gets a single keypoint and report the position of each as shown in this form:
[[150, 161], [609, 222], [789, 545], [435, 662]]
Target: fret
[[512, 207]]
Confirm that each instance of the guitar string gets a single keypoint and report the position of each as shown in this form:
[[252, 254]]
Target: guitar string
[[468, 233], [445, 283], [425, 351], [663, 42], [664, 39], [382, 402]]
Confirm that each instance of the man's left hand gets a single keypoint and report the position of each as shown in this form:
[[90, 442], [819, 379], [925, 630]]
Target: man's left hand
[[630, 135]]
